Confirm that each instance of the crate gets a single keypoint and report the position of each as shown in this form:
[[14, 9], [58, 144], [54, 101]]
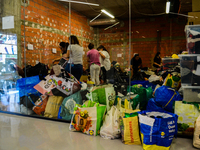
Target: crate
[[169, 63], [191, 93], [190, 69], [193, 38]]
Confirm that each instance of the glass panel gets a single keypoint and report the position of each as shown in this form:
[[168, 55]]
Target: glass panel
[[9, 55], [40, 26]]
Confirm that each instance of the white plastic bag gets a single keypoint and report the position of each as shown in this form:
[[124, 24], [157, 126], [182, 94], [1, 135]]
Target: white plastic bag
[[196, 140], [111, 125], [154, 78]]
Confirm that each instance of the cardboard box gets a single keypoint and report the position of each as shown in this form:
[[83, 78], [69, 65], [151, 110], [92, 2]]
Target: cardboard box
[[195, 5], [195, 20]]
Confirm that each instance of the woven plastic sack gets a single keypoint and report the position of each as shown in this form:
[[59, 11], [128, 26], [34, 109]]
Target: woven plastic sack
[[130, 128], [52, 107]]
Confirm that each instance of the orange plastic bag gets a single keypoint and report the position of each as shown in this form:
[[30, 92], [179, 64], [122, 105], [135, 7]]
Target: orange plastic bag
[[40, 106]]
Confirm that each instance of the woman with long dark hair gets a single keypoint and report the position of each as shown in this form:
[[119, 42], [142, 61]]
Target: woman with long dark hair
[[136, 63], [157, 60], [105, 61], [75, 57], [63, 47]]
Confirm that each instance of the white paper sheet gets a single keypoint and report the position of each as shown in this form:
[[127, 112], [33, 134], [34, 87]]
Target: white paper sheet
[[30, 46], [198, 70], [8, 22], [198, 58], [119, 55]]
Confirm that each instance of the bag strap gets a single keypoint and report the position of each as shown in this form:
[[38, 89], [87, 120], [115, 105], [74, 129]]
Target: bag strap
[[29, 97], [170, 99]]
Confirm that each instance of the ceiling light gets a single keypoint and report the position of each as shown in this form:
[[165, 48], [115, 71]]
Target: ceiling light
[[167, 7], [96, 17], [79, 2], [111, 26], [137, 32], [105, 12]]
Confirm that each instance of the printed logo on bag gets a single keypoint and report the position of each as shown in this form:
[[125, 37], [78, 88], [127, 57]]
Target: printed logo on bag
[[162, 134], [111, 96], [91, 132], [48, 84], [171, 126], [70, 104], [131, 131]]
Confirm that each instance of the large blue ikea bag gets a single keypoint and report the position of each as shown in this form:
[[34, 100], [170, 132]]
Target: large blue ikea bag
[[25, 85], [165, 97], [157, 128]]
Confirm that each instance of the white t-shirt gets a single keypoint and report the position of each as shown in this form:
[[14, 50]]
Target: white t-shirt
[[105, 62], [76, 55]]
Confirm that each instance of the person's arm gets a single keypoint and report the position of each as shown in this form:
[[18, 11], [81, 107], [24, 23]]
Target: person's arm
[[102, 55], [66, 56], [56, 60], [157, 64]]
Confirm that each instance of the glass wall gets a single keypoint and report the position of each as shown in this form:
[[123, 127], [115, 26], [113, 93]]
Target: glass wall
[[31, 30]]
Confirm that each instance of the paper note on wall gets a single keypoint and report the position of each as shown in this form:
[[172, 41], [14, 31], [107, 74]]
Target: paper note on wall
[[8, 22], [119, 55]]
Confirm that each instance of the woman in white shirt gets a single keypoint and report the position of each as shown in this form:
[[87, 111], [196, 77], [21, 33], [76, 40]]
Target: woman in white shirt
[[105, 61], [75, 57]]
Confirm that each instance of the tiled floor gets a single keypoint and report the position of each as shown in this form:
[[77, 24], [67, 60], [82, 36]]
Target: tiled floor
[[24, 133]]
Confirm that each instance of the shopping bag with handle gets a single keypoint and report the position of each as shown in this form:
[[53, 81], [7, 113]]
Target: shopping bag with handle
[[88, 118]]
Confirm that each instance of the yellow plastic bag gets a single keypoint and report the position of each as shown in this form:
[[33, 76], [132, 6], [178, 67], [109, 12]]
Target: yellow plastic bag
[[53, 106], [173, 82], [130, 130]]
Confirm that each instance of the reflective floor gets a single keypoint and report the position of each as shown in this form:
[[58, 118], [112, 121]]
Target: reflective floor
[[25, 133]]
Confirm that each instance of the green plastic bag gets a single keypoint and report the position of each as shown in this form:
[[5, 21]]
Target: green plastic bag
[[68, 104], [105, 96], [144, 95], [133, 99]]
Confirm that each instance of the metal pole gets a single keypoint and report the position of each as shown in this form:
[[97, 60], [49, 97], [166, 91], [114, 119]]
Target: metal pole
[[129, 46]]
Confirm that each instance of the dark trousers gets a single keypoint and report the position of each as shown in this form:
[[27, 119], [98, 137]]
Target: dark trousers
[[103, 74], [77, 71]]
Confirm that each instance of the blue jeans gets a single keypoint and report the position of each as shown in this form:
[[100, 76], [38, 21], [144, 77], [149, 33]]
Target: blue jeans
[[76, 71]]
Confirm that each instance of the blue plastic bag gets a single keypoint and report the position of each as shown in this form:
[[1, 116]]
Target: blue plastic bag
[[152, 105], [165, 97], [25, 85], [158, 128]]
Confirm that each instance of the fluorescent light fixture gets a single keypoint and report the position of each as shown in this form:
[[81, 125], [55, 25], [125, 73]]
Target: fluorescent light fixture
[[167, 7], [79, 2], [96, 17], [111, 26], [107, 13]]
